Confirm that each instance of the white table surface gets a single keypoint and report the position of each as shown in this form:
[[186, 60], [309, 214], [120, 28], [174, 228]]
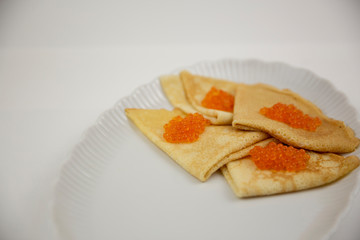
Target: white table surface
[[62, 63]]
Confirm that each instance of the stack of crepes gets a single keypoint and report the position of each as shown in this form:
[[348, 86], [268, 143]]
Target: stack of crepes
[[264, 140]]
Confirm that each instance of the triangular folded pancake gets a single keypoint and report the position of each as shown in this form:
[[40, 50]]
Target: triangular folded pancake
[[330, 136], [216, 146], [174, 90], [246, 180], [186, 92]]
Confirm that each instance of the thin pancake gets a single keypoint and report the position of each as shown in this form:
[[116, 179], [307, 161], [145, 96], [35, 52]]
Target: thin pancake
[[186, 92], [246, 180], [216, 146], [174, 91], [330, 136]]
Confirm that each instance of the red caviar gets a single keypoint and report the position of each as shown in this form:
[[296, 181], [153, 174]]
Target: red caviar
[[292, 116], [219, 100], [185, 130], [279, 157]]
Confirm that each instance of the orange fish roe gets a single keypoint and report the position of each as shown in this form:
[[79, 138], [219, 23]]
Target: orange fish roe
[[219, 100], [185, 130], [279, 157], [292, 116]]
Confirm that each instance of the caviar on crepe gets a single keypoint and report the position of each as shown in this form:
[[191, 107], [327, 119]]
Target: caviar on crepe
[[279, 157], [292, 116], [185, 130], [219, 100]]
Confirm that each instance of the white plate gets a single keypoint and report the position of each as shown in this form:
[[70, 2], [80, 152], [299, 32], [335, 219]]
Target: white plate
[[117, 185]]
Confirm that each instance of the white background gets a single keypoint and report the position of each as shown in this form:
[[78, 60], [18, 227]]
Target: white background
[[62, 63]]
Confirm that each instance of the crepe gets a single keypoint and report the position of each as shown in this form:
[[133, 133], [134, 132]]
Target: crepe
[[186, 92], [216, 146], [246, 180], [331, 136], [175, 93]]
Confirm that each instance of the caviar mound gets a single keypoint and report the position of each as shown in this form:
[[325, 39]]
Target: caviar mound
[[279, 157], [219, 100], [292, 116], [185, 130]]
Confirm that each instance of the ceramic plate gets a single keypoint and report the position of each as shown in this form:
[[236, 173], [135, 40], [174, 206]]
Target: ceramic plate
[[117, 185]]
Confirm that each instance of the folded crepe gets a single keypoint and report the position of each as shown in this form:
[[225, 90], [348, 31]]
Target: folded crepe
[[246, 180], [331, 136], [216, 146], [186, 91], [175, 93]]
